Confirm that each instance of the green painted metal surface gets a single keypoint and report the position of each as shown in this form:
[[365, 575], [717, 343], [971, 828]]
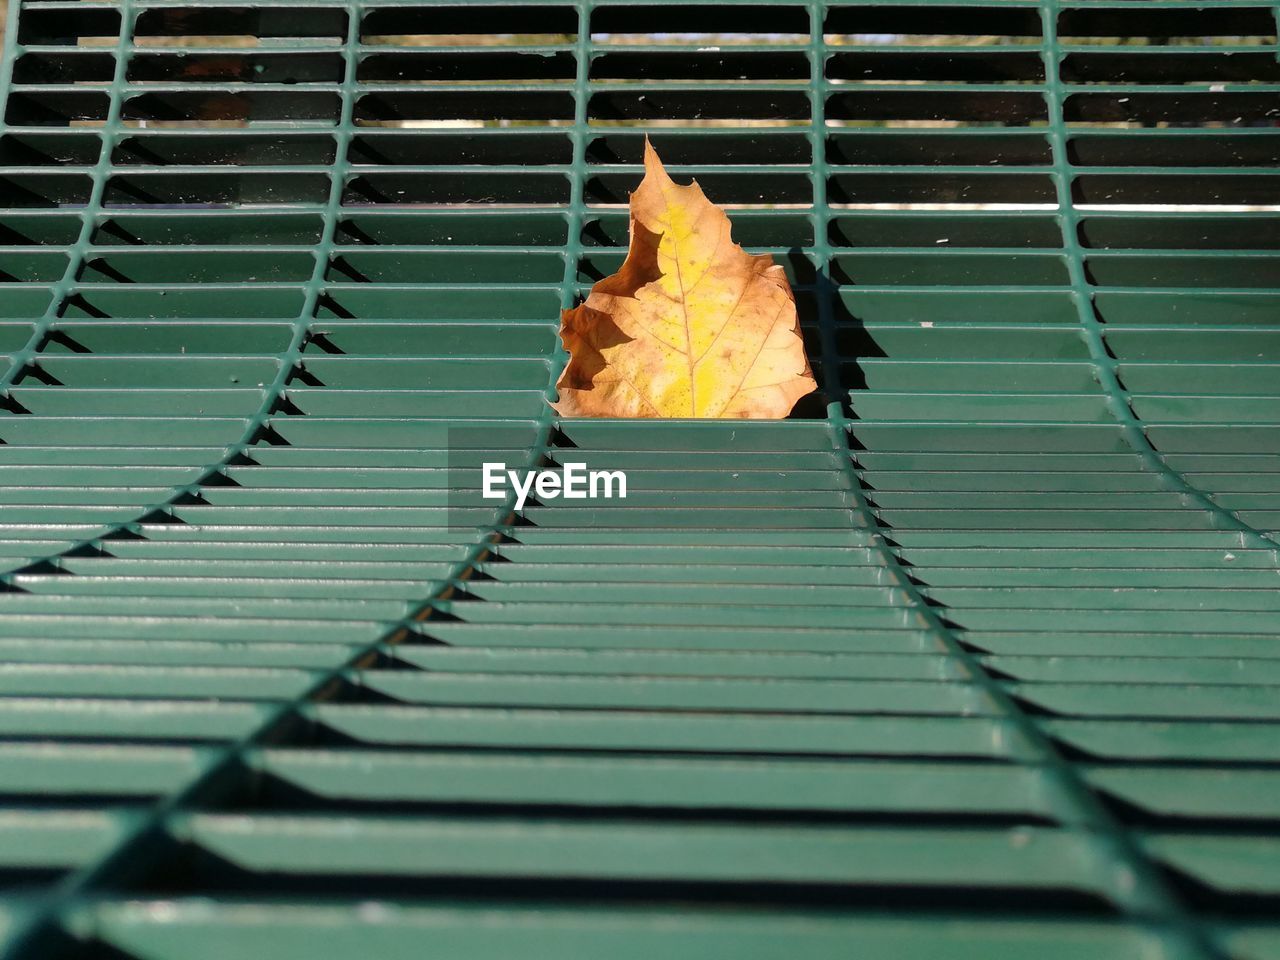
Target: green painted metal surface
[[975, 657]]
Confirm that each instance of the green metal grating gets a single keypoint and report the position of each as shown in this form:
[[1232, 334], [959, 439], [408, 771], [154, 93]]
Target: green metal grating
[[980, 660]]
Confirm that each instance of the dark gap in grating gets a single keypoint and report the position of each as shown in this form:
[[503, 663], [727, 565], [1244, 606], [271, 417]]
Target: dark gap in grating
[[241, 66], [1140, 818], [1186, 232], [253, 23], [451, 188], [514, 229], [28, 230], [51, 149], [1151, 109], [746, 104], [458, 21], [215, 188], [994, 148], [721, 65], [55, 108], [703, 147], [941, 188], [983, 230], [1204, 898], [464, 105], [74, 800], [194, 871], [1008, 108], [675, 22], [30, 190], [469, 66], [269, 793], [64, 68], [920, 65], [233, 107], [67, 25], [877, 21], [1165, 23], [1115, 66], [1176, 188], [59, 944], [813, 406], [515, 149], [20, 880], [229, 149], [1203, 148], [1239, 271]]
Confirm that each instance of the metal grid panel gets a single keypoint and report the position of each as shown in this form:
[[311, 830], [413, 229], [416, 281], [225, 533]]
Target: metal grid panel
[[978, 660]]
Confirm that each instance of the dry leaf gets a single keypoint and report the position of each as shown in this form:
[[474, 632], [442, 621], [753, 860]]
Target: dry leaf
[[690, 326]]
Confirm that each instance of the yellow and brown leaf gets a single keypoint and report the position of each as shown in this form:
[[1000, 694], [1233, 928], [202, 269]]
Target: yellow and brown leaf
[[691, 325]]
